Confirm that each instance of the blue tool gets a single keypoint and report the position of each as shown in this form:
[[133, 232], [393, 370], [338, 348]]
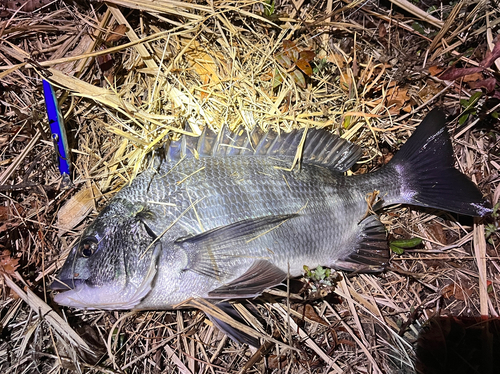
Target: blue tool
[[56, 122]]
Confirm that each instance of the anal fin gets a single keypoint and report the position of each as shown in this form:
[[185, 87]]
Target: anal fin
[[370, 252]]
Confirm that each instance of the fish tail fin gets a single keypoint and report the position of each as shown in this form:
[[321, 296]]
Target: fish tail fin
[[428, 177]]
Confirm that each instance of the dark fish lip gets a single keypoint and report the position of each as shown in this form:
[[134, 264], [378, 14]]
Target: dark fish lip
[[65, 284]]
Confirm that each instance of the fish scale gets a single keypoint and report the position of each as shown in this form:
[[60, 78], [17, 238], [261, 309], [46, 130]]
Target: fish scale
[[219, 217]]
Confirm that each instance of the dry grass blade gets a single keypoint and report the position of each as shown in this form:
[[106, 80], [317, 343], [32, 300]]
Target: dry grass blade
[[41, 308], [424, 16], [480, 254], [308, 341]]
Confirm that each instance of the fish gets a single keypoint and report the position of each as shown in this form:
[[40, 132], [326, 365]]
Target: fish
[[226, 216]]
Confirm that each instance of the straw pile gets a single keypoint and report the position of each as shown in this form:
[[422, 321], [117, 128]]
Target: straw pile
[[131, 73]]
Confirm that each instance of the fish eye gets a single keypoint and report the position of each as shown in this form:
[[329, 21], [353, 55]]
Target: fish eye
[[88, 246]]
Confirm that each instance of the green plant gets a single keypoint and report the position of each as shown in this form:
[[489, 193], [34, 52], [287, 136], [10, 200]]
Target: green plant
[[469, 107], [398, 246]]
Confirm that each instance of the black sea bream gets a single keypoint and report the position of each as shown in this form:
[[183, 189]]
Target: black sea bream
[[221, 218]]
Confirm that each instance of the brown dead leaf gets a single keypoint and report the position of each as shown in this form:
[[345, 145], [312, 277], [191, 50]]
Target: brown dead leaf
[[4, 213], [305, 67], [117, 33], [435, 70], [396, 99], [473, 77], [298, 78], [337, 59], [488, 84], [283, 60], [291, 50], [76, 209], [308, 311], [382, 31], [345, 82], [276, 362], [8, 264], [429, 91], [307, 55], [436, 231], [203, 61], [455, 290]]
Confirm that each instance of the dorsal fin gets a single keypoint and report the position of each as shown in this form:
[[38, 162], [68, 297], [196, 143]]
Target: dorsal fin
[[320, 147]]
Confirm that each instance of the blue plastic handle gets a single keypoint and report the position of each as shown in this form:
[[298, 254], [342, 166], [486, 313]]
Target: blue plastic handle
[[56, 122]]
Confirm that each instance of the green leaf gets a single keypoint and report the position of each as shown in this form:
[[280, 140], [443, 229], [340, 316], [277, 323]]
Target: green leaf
[[396, 250], [307, 271], [463, 119], [490, 288], [418, 28], [464, 103], [283, 60], [495, 210], [407, 243], [278, 78]]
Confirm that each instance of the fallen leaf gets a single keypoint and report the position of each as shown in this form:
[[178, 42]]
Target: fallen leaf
[[202, 61], [76, 209], [4, 213], [298, 78], [8, 264], [345, 82], [488, 84], [305, 67], [491, 56], [395, 100], [454, 290], [117, 33], [307, 55], [473, 77], [276, 362], [382, 31], [435, 70], [310, 313], [283, 60], [291, 50], [337, 59], [436, 231], [429, 91]]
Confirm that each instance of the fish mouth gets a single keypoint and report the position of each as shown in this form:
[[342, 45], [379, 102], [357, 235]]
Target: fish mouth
[[66, 284]]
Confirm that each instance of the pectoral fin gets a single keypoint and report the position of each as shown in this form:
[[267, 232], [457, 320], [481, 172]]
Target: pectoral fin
[[261, 275], [219, 248]]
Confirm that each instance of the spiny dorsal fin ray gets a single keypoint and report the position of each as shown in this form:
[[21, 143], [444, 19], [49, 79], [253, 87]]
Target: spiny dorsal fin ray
[[320, 147]]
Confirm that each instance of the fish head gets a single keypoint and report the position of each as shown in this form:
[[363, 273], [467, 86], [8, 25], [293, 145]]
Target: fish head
[[113, 265]]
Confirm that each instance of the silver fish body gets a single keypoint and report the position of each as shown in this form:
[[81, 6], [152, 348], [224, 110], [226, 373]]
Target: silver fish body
[[231, 223]]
